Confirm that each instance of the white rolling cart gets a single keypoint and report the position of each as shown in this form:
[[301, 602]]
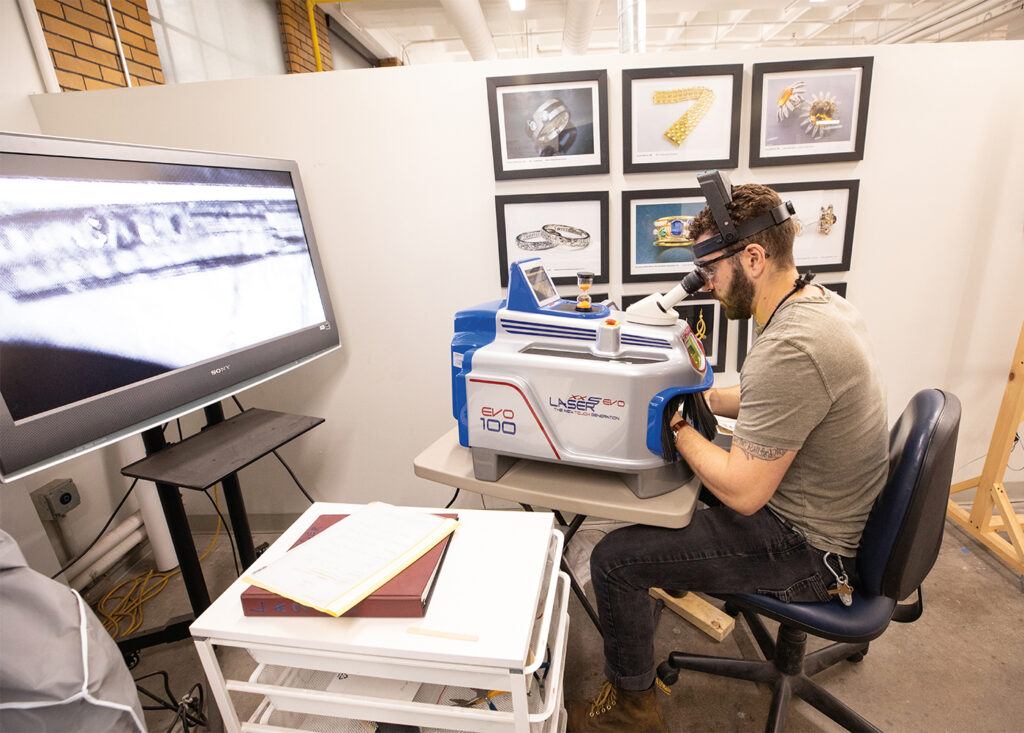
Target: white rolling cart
[[497, 622]]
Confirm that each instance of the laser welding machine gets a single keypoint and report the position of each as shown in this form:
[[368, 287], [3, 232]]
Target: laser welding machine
[[533, 377]]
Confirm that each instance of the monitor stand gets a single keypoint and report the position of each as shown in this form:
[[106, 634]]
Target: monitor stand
[[213, 455]]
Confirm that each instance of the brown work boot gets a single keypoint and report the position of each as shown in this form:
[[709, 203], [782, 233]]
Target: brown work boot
[[615, 709]]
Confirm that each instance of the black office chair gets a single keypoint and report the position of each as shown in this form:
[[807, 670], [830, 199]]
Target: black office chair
[[898, 548]]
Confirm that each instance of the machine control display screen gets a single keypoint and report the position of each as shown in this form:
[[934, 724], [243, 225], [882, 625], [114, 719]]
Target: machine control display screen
[[540, 283]]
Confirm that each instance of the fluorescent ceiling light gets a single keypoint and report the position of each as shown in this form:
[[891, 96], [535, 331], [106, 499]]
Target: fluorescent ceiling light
[[517, 5]]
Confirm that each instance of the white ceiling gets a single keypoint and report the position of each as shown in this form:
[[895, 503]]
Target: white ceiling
[[428, 31]]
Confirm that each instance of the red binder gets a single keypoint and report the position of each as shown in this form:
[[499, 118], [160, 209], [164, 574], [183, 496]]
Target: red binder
[[404, 596]]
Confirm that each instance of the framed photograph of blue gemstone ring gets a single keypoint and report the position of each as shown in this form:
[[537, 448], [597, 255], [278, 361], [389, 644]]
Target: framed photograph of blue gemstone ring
[[549, 124], [707, 321], [812, 111], [826, 212], [681, 118], [567, 231], [656, 245], [747, 330]]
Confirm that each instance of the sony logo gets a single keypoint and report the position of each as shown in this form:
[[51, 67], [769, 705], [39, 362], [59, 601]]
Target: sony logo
[[218, 370]]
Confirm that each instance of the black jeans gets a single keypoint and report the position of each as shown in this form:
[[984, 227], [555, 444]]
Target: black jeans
[[720, 551]]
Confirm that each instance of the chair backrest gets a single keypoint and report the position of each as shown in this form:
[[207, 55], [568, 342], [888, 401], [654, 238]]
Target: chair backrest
[[904, 530]]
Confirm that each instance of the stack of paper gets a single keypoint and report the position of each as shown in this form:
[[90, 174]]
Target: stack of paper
[[349, 560]]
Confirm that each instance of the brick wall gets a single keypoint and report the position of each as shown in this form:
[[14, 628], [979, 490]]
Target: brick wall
[[82, 46], [297, 39]]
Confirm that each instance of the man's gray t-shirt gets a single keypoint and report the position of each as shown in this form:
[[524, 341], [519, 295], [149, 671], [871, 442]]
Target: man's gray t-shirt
[[811, 384]]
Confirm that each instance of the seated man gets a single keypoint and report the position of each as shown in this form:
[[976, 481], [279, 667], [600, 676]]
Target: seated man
[[808, 457]]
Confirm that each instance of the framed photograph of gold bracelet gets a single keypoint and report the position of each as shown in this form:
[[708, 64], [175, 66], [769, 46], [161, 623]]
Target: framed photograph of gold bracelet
[[707, 321], [549, 124], [656, 245], [567, 231], [825, 215], [747, 330], [681, 118], [809, 111]]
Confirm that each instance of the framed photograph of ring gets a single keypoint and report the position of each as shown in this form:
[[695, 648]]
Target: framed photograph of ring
[[655, 243], [549, 124], [748, 333], [707, 321], [825, 213], [681, 118], [567, 231], [809, 111]]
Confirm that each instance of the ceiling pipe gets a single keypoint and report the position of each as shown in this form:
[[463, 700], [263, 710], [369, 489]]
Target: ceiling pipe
[[936, 16], [632, 26], [468, 18], [579, 25], [954, 20], [985, 25]]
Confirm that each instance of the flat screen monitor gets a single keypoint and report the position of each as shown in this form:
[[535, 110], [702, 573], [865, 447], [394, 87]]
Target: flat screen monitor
[[141, 283]]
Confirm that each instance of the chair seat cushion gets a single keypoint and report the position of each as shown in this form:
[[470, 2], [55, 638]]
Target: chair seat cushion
[[864, 620]]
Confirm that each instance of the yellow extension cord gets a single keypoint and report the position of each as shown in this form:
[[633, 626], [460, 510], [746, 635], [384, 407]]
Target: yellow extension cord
[[144, 586]]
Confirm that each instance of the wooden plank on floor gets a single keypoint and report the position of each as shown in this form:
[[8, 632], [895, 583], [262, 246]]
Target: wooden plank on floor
[[706, 617]]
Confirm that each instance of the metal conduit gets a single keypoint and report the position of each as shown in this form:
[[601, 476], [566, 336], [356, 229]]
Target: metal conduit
[[632, 26]]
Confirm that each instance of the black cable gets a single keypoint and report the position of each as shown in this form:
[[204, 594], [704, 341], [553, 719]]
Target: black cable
[[97, 539], [227, 531], [283, 463], [169, 704], [294, 477], [454, 497]]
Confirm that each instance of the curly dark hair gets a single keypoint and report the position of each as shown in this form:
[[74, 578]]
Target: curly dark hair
[[749, 201]]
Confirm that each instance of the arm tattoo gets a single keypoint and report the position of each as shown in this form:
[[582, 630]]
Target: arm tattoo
[[755, 450]]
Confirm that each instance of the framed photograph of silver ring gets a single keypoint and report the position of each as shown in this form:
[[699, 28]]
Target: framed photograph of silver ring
[[549, 124], [813, 111], [747, 330], [826, 212], [655, 242], [707, 321], [567, 231], [681, 118]]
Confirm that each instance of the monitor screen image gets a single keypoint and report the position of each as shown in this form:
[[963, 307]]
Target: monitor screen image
[[137, 283]]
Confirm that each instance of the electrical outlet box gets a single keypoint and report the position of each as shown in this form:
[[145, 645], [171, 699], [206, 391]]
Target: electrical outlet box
[[56, 498]]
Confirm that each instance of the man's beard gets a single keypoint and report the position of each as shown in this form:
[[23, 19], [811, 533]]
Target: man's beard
[[737, 304]]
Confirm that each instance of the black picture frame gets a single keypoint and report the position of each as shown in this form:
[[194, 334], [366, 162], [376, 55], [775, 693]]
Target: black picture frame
[[577, 145], [819, 247], [715, 325], [642, 259], [646, 144], [528, 213], [782, 133], [745, 328]]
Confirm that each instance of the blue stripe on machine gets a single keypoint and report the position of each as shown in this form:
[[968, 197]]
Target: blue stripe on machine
[[551, 330], [530, 332], [645, 341]]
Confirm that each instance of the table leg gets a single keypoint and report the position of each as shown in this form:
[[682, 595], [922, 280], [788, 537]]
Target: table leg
[[184, 547]]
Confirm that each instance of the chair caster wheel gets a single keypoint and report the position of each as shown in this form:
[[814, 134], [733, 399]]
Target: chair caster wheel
[[857, 657], [667, 673]]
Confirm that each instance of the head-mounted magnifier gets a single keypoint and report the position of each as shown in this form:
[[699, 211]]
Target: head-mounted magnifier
[[717, 190]]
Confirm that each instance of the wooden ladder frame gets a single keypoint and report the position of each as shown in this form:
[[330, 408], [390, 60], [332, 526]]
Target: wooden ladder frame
[[992, 514]]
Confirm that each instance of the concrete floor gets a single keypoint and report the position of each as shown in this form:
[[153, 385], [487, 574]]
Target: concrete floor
[[958, 668]]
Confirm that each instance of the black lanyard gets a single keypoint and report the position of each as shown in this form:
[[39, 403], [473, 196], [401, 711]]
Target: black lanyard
[[801, 281]]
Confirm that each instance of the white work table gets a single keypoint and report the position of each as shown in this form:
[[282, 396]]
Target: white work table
[[498, 606]]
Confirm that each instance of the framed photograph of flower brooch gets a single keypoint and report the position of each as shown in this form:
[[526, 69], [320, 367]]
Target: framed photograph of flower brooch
[[809, 111]]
